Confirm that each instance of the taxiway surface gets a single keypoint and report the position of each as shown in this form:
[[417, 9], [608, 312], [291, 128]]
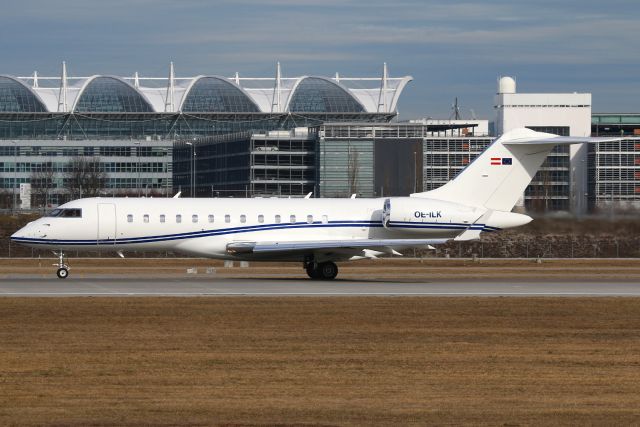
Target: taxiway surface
[[201, 286]]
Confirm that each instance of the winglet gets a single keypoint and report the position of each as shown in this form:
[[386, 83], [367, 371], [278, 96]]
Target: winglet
[[178, 194], [308, 196]]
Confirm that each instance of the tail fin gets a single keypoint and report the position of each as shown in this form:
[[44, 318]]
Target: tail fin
[[498, 177]]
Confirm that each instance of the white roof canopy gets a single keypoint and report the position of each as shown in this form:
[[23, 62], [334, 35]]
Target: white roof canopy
[[234, 94]]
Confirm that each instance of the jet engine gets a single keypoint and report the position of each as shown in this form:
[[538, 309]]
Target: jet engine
[[417, 214]]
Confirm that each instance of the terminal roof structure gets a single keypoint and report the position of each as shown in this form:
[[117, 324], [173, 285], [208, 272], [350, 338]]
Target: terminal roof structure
[[200, 94]]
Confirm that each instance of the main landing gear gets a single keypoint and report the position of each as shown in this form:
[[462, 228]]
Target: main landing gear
[[321, 271], [63, 269]]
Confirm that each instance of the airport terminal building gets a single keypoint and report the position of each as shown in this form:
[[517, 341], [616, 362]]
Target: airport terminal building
[[129, 125]]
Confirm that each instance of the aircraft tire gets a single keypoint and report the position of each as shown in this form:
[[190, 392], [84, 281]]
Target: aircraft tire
[[313, 271], [62, 273], [327, 270]]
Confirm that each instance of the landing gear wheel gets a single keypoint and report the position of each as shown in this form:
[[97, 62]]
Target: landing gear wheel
[[63, 269], [312, 271], [322, 271], [327, 270]]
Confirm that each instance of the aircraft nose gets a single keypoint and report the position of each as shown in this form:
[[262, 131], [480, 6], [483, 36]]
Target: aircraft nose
[[30, 231], [20, 234]]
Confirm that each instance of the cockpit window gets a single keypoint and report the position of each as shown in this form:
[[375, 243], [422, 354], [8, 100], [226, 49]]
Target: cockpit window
[[66, 213], [55, 212]]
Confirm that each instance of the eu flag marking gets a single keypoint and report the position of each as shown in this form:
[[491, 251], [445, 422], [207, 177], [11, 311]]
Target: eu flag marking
[[506, 161]]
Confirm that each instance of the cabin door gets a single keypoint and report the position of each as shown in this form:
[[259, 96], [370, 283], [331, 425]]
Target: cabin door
[[106, 223]]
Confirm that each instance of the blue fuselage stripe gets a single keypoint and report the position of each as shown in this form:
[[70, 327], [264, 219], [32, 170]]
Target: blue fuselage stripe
[[248, 229]]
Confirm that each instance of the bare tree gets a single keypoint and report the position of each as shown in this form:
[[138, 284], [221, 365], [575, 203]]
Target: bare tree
[[42, 182], [352, 159], [85, 177], [6, 198]]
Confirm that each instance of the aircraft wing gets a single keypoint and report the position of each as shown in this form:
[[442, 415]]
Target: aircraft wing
[[326, 245]]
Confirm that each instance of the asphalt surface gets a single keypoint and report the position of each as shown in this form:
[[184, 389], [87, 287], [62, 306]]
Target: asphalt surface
[[212, 286]]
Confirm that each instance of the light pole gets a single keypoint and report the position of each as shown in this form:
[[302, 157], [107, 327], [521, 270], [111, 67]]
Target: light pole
[[138, 184], [15, 173], [193, 167], [166, 165], [415, 172]]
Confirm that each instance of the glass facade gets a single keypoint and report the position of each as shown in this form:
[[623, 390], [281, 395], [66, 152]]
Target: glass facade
[[315, 94], [624, 125], [614, 167], [108, 94], [161, 125], [15, 97], [346, 167], [444, 158], [282, 163], [550, 189], [614, 174], [128, 168], [211, 94], [246, 165]]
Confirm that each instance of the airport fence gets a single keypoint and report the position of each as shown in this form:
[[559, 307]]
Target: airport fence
[[543, 247], [538, 247]]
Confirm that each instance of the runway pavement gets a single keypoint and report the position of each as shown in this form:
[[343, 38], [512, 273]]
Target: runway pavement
[[212, 286]]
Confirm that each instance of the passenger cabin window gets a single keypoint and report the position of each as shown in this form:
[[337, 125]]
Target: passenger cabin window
[[129, 218], [178, 218], [210, 218], [292, 219], [145, 218], [194, 218], [260, 219], [66, 213], [243, 218], [325, 219], [278, 220], [309, 219], [227, 218], [162, 218]]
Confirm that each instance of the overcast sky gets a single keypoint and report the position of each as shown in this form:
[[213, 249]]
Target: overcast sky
[[450, 48]]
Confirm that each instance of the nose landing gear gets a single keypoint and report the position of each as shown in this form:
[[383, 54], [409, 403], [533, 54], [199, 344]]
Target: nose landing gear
[[63, 269]]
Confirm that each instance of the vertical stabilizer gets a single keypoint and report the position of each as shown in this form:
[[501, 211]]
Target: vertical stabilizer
[[499, 175]]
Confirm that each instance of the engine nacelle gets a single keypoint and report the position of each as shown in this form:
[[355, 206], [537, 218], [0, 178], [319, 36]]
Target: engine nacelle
[[415, 214]]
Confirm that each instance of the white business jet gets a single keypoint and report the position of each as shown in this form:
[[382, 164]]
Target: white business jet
[[316, 232]]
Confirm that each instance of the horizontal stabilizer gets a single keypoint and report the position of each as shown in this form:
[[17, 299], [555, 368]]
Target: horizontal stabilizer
[[560, 140]]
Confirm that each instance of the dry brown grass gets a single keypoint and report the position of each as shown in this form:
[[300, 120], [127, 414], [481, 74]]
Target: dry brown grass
[[334, 361]]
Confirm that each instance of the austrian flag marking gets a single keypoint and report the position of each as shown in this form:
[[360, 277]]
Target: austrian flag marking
[[496, 161]]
